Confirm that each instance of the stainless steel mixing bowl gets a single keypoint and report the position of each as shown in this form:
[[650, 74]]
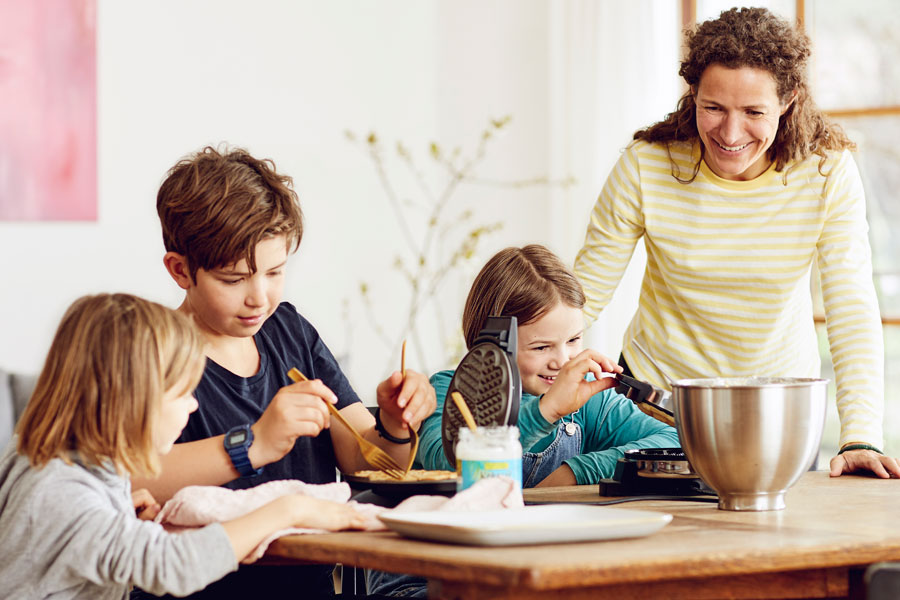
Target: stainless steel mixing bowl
[[750, 439]]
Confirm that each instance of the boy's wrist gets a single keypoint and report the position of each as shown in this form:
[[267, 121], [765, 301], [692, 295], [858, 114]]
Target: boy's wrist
[[259, 452], [237, 443], [390, 429]]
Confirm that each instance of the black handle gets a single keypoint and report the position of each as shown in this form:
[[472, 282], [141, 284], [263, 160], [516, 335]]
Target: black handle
[[639, 391]]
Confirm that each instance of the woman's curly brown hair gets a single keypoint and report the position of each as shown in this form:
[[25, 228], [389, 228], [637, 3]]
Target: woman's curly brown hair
[[755, 38]]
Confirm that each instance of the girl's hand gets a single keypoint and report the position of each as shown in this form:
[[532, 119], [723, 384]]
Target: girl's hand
[[405, 401], [324, 514], [570, 391], [145, 505], [247, 531]]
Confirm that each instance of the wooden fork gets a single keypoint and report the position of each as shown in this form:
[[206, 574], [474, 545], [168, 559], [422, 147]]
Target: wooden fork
[[413, 448], [413, 436], [464, 410], [372, 454]]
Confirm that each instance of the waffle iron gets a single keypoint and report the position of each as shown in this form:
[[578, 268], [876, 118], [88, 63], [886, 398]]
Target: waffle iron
[[488, 379], [654, 471]]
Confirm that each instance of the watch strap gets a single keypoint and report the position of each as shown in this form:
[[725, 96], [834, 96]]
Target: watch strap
[[239, 454]]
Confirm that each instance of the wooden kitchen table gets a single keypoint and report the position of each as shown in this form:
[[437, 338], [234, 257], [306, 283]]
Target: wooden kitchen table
[[814, 548]]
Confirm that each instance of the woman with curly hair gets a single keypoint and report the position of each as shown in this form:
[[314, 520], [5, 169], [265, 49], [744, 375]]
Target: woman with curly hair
[[737, 194]]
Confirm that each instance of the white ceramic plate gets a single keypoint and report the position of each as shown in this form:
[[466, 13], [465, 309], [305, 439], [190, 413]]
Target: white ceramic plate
[[545, 524]]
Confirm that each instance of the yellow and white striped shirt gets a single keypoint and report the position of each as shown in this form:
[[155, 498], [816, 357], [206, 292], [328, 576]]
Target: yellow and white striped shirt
[[726, 291]]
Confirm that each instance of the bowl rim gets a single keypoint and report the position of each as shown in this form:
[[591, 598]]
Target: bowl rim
[[733, 383]]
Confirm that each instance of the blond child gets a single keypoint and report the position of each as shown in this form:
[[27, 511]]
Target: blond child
[[114, 394]]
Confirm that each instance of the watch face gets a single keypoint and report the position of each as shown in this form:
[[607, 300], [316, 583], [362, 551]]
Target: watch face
[[236, 438]]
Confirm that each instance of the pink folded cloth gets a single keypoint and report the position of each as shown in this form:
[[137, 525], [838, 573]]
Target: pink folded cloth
[[485, 494], [199, 505]]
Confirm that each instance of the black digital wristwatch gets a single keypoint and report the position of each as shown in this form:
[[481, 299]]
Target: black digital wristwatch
[[237, 443]]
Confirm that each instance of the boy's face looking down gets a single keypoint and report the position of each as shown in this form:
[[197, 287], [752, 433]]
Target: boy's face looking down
[[231, 301], [546, 344]]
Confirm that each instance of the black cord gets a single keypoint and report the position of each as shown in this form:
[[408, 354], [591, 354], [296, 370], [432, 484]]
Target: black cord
[[630, 499]]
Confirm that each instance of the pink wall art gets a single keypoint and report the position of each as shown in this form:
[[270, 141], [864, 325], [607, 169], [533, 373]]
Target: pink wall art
[[48, 110]]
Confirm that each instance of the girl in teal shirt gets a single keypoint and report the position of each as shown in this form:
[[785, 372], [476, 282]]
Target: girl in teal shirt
[[572, 424]]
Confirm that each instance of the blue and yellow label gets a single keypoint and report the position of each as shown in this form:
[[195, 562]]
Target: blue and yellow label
[[471, 471]]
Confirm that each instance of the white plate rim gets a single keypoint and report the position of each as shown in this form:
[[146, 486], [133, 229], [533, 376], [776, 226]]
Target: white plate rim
[[615, 523]]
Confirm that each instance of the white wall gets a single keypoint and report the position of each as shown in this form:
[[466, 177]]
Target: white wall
[[286, 79], [613, 71]]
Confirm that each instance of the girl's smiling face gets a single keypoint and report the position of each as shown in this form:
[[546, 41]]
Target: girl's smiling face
[[546, 344], [738, 111]]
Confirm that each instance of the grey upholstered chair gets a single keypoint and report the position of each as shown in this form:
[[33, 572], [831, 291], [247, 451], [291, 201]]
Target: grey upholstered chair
[[882, 581], [15, 389]]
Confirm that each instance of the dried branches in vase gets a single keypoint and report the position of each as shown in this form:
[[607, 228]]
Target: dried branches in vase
[[438, 239]]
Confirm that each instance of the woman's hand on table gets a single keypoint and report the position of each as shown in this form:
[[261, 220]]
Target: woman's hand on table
[[853, 461], [570, 391]]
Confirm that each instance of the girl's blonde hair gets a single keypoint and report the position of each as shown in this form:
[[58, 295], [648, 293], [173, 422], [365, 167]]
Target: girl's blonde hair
[[519, 282], [99, 394]]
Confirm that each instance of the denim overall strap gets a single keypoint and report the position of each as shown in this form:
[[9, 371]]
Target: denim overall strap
[[536, 466]]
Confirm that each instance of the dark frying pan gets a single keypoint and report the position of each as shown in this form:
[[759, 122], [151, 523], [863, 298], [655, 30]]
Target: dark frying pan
[[400, 490]]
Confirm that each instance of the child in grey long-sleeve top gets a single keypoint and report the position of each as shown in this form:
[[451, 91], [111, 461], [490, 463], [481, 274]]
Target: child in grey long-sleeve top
[[114, 395]]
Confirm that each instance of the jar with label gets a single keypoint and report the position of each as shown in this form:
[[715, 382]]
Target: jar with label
[[488, 452]]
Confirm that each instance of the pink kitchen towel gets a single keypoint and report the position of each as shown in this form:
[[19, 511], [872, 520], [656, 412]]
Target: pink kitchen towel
[[199, 505], [489, 493]]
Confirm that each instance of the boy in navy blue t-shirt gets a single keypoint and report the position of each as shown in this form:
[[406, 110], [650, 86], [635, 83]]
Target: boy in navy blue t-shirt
[[229, 223]]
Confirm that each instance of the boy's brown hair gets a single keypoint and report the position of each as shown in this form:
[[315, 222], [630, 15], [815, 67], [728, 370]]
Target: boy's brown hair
[[215, 207], [519, 282], [98, 396]]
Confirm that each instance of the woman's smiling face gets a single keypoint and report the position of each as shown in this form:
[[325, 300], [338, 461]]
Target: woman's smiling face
[[546, 344], [738, 112]]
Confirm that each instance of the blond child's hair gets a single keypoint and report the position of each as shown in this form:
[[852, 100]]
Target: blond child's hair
[[519, 282], [216, 207], [99, 394]]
